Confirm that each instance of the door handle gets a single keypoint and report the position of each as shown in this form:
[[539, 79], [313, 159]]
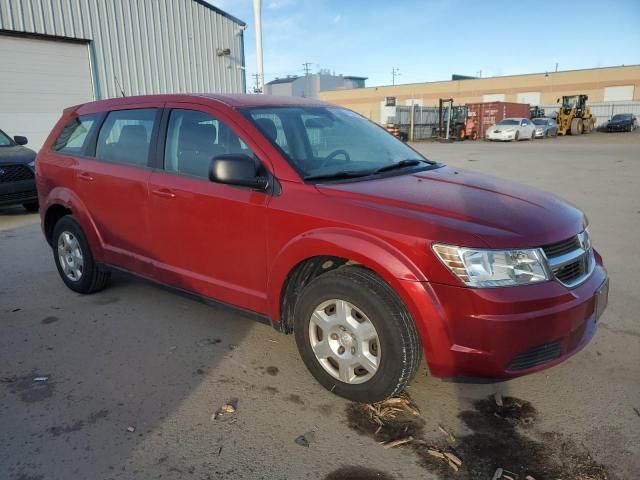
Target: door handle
[[85, 176], [164, 193]]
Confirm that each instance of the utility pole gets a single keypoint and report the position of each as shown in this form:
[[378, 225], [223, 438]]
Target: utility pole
[[395, 72], [306, 67], [256, 77], [257, 13], [556, 66]]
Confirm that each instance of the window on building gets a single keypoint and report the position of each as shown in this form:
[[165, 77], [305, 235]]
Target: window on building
[[125, 136]]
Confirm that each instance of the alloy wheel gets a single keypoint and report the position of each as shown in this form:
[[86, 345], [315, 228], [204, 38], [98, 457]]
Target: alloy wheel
[[70, 256], [345, 341]]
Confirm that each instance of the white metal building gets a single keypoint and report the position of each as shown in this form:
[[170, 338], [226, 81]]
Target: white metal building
[[58, 53]]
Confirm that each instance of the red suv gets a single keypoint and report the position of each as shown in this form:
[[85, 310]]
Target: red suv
[[319, 222]]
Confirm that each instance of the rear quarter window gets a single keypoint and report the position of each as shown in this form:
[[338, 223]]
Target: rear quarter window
[[74, 136]]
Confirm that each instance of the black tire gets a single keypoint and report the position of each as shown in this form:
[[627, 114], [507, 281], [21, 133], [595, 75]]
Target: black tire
[[31, 206], [93, 278], [400, 346], [516, 137], [533, 135]]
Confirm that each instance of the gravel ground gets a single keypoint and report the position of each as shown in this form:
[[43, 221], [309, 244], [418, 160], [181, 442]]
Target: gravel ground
[[137, 357]]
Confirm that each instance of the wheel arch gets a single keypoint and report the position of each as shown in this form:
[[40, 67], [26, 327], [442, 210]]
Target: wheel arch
[[61, 202], [320, 251]]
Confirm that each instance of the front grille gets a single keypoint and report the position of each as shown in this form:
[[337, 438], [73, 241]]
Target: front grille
[[15, 173], [18, 196], [536, 356], [571, 272], [561, 248], [570, 260]]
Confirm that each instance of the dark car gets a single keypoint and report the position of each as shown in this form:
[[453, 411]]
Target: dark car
[[622, 122], [17, 179]]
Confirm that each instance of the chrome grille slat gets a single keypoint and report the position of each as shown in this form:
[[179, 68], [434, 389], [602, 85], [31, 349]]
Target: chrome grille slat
[[570, 261]]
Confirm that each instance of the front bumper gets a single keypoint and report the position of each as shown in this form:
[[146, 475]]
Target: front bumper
[[541, 134], [503, 136], [16, 193], [502, 333], [617, 128]]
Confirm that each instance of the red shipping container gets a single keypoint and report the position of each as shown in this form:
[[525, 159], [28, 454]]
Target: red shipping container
[[487, 114]]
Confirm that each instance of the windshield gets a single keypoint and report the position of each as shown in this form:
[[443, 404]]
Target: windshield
[[5, 141], [509, 121], [541, 121], [569, 102], [326, 141], [621, 116]]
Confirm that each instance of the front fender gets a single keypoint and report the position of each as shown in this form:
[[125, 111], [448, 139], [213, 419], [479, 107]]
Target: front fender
[[384, 259], [66, 198]]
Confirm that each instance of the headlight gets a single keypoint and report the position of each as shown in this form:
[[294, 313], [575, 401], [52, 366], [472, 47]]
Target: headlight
[[32, 164], [493, 268]]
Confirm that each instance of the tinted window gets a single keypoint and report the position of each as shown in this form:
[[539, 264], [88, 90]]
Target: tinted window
[[194, 138], [73, 137], [508, 122], [5, 141], [125, 136]]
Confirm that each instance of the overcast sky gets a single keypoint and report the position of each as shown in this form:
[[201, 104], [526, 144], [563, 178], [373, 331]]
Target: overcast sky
[[428, 40]]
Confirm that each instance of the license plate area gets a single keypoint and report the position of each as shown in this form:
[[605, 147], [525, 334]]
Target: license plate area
[[601, 299]]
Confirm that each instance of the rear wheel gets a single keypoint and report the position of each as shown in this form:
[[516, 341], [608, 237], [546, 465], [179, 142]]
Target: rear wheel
[[73, 258], [355, 336], [533, 135]]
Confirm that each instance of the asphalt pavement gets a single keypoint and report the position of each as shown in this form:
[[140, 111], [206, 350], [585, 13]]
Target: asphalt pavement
[[126, 383]]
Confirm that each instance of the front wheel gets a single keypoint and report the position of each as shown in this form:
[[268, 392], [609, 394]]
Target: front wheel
[[355, 336], [517, 136], [74, 260]]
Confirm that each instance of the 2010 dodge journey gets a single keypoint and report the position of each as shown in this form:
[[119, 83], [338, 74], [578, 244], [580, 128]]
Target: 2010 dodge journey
[[320, 223]]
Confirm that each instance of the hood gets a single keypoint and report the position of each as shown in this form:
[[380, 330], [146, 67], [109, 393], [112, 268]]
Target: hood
[[619, 122], [16, 154], [500, 213]]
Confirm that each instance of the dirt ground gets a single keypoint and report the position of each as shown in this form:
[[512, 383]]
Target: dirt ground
[[135, 373]]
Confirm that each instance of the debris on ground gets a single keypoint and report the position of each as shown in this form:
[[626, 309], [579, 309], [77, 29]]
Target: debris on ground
[[498, 399], [397, 443], [10, 379], [131, 429], [502, 474], [302, 441], [208, 341], [226, 409], [447, 434], [446, 456], [40, 379], [637, 411]]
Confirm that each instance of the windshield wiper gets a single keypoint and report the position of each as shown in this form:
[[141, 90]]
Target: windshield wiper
[[399, 165], [339, 175]]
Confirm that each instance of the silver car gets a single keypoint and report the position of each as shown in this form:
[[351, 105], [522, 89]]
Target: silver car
[[545, 127]]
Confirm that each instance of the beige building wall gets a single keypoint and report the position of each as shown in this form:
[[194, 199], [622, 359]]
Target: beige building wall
[[550, 86]]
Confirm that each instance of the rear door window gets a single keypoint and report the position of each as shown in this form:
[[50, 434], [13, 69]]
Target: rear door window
[[125, 136], [74, 136]]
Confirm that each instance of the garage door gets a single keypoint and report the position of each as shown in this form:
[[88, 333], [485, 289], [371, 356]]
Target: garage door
[[38, 79], [493, 97], [618, 94], [532, 98]]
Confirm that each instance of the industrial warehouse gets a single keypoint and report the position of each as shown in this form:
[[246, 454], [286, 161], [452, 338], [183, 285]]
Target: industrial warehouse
[[94, 49], [609, 86]]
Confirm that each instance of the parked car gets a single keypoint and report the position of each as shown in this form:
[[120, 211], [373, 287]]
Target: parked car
[[622, 122], [512, 129], [545, 127], [17, 180], [313, 219]]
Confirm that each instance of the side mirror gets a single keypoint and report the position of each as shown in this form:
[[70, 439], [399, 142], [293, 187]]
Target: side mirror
[[237, 169], [20, 140], [557, 100]]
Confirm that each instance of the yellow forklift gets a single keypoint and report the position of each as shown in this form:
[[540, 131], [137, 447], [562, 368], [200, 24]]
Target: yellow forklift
[[574, 117]]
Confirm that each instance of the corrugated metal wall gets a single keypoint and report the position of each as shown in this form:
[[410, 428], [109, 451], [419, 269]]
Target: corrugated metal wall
[[147, 46]]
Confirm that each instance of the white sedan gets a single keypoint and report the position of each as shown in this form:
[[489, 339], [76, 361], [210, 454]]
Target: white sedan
[[511, 129]]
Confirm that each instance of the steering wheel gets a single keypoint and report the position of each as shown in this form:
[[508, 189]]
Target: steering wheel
[[334, 154]]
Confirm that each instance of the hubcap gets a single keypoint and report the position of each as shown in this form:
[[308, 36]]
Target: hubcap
[[70, 256], [344, 341]]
